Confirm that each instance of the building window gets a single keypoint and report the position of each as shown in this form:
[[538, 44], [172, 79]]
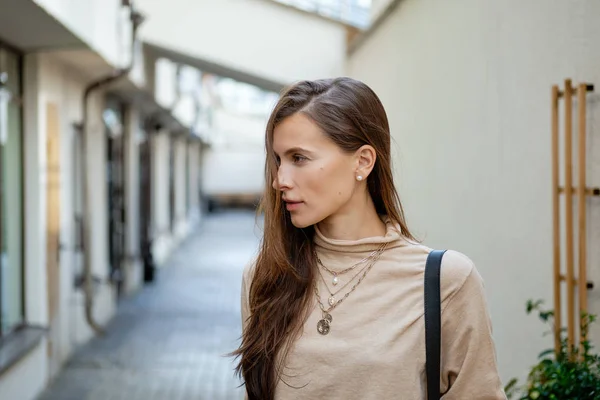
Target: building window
[[352, 12], [11, 193]]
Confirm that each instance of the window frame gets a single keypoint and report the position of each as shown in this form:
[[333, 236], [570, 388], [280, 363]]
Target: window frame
[[334, 12], [13, 52]]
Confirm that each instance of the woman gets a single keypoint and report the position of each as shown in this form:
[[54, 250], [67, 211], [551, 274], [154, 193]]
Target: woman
[[332, 307]]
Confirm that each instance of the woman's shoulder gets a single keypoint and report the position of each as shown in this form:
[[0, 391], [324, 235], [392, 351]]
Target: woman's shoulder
[[249, 268], [457, 268]]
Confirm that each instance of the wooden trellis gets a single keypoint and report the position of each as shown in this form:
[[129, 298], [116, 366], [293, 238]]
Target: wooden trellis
[[574, 283]]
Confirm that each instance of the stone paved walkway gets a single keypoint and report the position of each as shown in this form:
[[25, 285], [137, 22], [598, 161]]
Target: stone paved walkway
[[168, 341]]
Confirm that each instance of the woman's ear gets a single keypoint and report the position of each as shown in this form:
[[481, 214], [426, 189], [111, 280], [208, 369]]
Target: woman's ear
[[365, 160]]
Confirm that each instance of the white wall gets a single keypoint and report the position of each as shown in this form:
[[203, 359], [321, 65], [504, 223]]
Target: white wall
[[63, 86], [194, 161], [104, 305], [253, 36], [54, 89], [103, 24], [234, 164], [467, 89], [238, 130], [378, 7], [133, 267], [233, 171], [160, 200], [35, 215], [27, 378], [181, 221]]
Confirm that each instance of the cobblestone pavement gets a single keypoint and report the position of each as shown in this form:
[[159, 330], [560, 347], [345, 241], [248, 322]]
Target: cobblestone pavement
[[168, 341]]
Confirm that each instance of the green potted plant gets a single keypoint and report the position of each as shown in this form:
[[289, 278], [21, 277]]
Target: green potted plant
[[572, 373]]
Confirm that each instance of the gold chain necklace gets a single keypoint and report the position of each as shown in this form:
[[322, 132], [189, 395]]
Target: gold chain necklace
[[324, 324], [335, 274], [331, 299]]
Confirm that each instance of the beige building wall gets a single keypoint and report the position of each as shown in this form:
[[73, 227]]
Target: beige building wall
[[467, 89]]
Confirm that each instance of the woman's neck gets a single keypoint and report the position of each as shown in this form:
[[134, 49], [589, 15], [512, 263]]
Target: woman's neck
[[353, 222]]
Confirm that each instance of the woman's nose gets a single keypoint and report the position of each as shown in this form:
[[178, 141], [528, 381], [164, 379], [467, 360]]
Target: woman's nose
[[281, 181]]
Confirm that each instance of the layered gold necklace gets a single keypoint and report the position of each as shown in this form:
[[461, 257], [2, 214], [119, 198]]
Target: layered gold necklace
[[324, 324]]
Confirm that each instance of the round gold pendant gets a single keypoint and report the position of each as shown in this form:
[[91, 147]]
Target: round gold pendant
[[328, 317], [323, 327]]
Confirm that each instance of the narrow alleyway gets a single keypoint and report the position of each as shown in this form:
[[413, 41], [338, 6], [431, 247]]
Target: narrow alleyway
[[168, 341]]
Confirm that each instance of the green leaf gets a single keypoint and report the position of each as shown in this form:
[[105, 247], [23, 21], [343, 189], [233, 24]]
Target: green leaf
[[545, 315], [571, 373], [545, 353]]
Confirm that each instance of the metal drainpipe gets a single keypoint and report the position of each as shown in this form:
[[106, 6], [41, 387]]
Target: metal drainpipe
[[136, 19]]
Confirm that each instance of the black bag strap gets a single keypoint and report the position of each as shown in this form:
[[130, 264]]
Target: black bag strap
[[433, 323]]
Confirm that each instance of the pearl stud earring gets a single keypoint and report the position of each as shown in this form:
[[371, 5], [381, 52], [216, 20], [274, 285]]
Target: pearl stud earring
[[359, 178]]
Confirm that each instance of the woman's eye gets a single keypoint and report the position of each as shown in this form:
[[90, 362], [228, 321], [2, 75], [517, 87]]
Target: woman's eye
[[298, 158]]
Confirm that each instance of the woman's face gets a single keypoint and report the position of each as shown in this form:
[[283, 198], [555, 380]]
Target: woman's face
[[316, 178]]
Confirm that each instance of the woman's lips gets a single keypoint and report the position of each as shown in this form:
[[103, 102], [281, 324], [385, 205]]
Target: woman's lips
[[292, 205]]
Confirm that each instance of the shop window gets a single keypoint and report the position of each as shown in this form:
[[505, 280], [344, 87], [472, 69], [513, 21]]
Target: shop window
[[11, 193]]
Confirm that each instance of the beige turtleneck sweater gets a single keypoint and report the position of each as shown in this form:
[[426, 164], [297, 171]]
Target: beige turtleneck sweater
[[376, 346]]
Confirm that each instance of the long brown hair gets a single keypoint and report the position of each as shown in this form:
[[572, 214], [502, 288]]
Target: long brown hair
[[351, 115]]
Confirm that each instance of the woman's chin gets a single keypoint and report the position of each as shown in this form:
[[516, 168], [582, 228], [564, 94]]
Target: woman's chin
[[300, 221]]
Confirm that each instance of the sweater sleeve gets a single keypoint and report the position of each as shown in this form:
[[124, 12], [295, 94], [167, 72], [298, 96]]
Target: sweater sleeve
[[469, 363], [245, 303], [245, 307], [245, 292]]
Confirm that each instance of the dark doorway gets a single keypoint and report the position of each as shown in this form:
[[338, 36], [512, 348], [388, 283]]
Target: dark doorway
[[115, 175], [145, 206]]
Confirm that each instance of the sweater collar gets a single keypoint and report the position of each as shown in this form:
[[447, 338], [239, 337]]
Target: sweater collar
[[393, 237]]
